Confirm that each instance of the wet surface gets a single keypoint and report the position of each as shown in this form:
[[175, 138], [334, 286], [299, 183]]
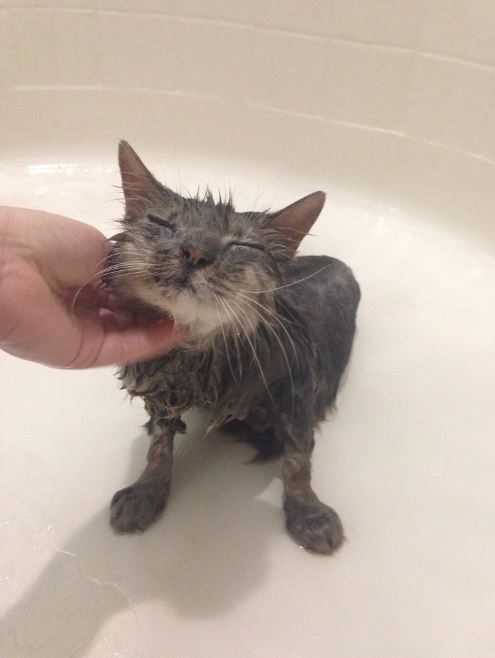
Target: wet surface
[[407, 461]]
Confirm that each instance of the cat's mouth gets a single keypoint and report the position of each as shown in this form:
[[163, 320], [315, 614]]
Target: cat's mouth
[[205, 307], [179, 287], [188, 281]]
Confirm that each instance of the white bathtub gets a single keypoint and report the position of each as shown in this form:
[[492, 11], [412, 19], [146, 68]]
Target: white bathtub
[[388, 105]]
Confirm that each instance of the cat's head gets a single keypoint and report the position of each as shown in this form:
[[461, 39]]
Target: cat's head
[[200, 260]]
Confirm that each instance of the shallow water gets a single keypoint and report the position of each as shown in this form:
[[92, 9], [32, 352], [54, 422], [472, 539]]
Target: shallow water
[[407, 461]]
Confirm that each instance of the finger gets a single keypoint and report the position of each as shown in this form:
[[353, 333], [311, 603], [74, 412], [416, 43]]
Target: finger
[[62, 339], [68, 252], [39, 326], [91, 296], [137, 343], [116, 319], [74, 252]]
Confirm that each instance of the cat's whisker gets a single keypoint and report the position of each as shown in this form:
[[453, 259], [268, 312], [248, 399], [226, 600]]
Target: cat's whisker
[[282, 349], [86, 282], [248, 319], [114, 270], [121, 266], [287, 285], [253, 350], [227, 349], [265, 322], [137, 271], [236, 334], [118, 266], [281, 303], [277, 319]]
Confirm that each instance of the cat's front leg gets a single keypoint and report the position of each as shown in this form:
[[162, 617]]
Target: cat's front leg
[[312, 524], [137, 506]]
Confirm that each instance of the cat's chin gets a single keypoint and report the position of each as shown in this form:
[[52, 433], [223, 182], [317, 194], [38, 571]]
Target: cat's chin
[[201, 318]]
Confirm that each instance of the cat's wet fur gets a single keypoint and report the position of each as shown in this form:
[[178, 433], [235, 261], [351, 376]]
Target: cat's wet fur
[[269, 335]]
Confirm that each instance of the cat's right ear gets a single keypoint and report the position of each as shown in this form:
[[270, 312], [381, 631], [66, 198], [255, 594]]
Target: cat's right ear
[[138, 183], [295, 221]]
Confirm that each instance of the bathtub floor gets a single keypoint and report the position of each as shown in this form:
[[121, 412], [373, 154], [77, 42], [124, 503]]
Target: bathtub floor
[[407, 460]]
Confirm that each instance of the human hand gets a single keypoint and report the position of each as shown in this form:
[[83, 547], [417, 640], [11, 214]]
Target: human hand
[[44, 260]]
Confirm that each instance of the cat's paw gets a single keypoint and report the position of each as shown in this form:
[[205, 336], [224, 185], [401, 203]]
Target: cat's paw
[[313, 525], [136, 507]]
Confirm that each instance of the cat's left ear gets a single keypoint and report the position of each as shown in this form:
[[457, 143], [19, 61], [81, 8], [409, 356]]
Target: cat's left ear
[[139, 185], [295, 221]]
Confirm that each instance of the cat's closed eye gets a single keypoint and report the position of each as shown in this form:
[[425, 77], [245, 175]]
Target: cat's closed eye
[[160, 221]]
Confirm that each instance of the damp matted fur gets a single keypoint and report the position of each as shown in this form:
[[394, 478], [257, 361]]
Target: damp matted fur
[[269, 334]]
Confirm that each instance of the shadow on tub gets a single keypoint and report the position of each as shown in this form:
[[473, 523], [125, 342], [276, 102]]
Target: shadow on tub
[[206, 553]]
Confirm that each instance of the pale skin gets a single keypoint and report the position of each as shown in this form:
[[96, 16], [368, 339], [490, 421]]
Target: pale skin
[[44, 261]]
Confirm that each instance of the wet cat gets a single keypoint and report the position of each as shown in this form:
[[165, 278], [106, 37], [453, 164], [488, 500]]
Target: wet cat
[[268, 336]]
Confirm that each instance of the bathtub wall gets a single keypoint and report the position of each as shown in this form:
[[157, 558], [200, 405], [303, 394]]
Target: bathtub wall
[[393, 98]]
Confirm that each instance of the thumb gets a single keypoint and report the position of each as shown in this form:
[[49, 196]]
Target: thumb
[[68, 252], [135, 343]]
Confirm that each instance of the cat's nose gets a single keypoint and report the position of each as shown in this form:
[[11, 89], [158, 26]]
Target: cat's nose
[[195, 255]]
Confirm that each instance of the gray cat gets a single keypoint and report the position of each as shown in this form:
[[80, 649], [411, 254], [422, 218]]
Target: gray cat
[[268, 336]]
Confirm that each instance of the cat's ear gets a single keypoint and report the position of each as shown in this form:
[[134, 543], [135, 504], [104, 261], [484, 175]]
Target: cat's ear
[[295, 221], [138, 183]]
